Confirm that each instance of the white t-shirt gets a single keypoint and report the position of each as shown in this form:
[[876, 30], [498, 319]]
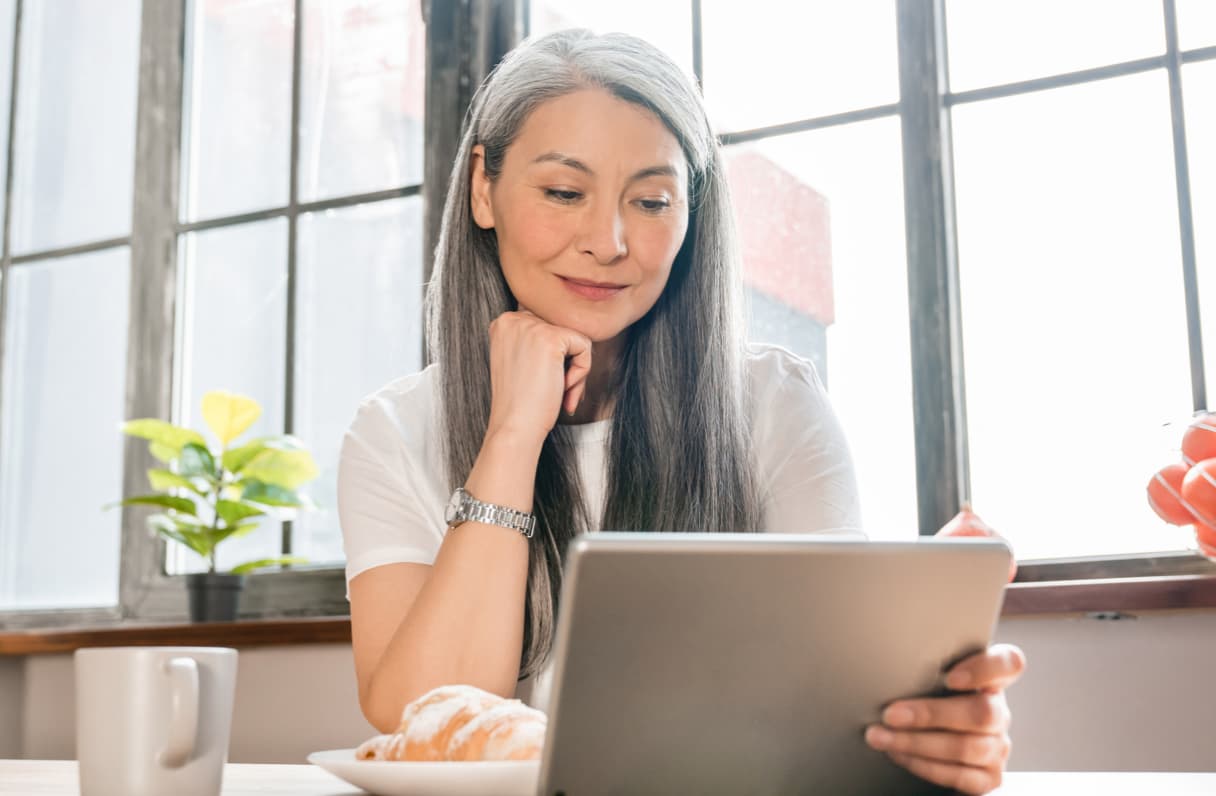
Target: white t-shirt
[[392, 488]]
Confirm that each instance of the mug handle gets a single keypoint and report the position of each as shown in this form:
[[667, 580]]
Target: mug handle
[[183, 724]]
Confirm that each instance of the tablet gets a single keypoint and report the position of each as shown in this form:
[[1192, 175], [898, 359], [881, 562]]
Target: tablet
[[751, 663]]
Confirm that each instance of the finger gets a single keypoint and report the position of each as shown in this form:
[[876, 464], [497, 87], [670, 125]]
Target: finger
[[969, 749], [994, 668], [966, 779], [578, 353], [979, 712]]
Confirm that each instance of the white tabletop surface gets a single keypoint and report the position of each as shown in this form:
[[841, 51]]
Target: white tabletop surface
[[53, 777]]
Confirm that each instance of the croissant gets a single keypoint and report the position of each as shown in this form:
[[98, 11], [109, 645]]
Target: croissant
[[461, 723]]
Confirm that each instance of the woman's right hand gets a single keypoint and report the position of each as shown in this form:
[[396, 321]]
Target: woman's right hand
[[530, 380]]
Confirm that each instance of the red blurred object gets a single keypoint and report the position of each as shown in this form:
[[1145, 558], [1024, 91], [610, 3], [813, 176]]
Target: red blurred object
[[968, 523], [1199, 439], [1165, 495], [1199, 490]]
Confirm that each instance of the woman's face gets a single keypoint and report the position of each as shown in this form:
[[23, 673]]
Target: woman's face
[[589, 210]]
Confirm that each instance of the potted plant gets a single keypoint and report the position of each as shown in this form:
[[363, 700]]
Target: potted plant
[[213, 494]]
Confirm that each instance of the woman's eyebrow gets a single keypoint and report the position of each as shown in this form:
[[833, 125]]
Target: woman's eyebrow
[[578, 165]]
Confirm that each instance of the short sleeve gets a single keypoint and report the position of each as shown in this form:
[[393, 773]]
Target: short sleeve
[[389, 498], [808, 484]]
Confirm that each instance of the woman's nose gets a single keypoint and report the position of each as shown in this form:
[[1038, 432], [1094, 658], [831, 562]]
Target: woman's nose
[[603, 234]]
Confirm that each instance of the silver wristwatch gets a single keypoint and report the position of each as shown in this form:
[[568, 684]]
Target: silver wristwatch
[[463, 507]]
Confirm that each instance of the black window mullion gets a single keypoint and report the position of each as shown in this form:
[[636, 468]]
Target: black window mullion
[[1186, 228], [293, 215], [143, 586], [6, 244], [938, 408], [698, 63]]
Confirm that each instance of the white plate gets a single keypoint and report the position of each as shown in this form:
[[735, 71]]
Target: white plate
[[492, 778]]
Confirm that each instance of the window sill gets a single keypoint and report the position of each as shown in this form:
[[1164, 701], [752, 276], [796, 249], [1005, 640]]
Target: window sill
[[1103, 595], [243, 633], [1025, 597]]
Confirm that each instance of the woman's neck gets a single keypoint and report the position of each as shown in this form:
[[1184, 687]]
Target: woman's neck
[[597, 400]]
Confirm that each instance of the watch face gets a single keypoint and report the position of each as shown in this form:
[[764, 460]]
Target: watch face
[[453, 509]]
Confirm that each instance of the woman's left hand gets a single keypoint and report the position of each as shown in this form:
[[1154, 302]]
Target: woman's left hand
[[959, 741]]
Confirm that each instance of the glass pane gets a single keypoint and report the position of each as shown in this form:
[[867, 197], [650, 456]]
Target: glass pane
[[370, 257], [8, 11], [821, 222], [1004, 42], [1196, 23], [1198, 88], [1073, 313], [667, 25], [770, 61], [361, 97], [75, 147], [232, 314], [62, 406], [236, 95]]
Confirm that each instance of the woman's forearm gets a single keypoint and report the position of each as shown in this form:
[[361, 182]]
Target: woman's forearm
[[466, 625]]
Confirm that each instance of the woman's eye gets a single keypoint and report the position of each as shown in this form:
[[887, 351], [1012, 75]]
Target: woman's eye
[[654, 205], [562, 196]]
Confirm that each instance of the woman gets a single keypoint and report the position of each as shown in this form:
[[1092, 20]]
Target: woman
[[591, 374]]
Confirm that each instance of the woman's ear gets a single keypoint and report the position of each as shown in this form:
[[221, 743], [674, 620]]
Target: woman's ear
[[479, 189]]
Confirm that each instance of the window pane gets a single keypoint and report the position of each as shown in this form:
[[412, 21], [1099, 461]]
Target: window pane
[[8, 11], [232, 314], [75, 147], [1196, 23], [992, 43], [770, 61], [62, 452], [361, 97], [236, 122], [821, 222], [1198, 88], [369, 257], [1073, 313], [666, 25]]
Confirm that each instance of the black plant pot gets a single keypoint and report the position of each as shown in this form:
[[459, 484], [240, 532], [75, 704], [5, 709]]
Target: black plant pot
[[214, 596]]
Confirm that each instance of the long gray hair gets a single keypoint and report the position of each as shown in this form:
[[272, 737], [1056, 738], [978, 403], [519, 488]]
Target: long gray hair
[[679, 453]]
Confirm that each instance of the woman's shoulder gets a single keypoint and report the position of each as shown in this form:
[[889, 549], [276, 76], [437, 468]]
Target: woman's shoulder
[[403, 410], [778, 374]]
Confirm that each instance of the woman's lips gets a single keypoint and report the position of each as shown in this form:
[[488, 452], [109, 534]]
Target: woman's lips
[[596, 291]]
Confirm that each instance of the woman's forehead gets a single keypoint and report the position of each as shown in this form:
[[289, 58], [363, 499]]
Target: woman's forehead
[[596, 132]]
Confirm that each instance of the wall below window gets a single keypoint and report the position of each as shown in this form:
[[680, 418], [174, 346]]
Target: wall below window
[[1132, 694]]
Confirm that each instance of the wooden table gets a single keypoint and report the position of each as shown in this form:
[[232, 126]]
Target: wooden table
[[58, 778]]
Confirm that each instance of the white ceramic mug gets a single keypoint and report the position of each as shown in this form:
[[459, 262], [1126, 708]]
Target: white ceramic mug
[[153, 720]]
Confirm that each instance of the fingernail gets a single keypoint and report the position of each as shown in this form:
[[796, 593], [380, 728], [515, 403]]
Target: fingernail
[[958, 680], [897, 716], [879, 737]]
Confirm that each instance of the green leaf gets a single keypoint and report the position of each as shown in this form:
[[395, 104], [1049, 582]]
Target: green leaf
[[250, 566], [228, 415], [164, 480], [282, 468], [236, 459], [162, 452], [191, 534], [235, 532], [196, 460], [163, 434], [232, 512], [184, 505], [271, 495]]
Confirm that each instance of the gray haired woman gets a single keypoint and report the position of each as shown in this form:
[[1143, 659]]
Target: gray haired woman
[[590, 372]]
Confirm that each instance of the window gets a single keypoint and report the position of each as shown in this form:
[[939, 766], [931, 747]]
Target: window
[[1072, 265], [294, 266], [64, 296]]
